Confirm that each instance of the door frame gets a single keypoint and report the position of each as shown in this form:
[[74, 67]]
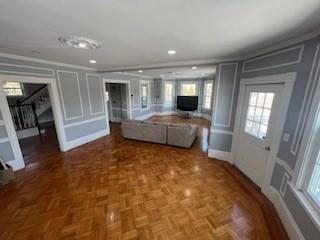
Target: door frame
[[18, 162], [129, 110], [288, 80]]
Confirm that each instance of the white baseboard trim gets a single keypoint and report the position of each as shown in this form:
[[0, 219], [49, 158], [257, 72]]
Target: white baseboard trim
[[83, 140], [15, 165], [286, 218], [26, 133], [220, 155]]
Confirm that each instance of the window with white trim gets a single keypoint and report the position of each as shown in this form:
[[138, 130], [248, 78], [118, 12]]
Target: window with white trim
[[258, 114], [13, 88], [311, 186], [145, 94], [189, 89], [168, 93], [207, 95]]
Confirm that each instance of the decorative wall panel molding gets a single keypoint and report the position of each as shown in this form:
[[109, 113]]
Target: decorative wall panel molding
[[70, 94], [294, 52], [95, 98]]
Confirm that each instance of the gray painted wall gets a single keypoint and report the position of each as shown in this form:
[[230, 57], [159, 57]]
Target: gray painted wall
[[298, 58], [80, 98], [225, 103]]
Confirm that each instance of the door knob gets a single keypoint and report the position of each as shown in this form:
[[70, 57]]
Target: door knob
[[267, 148]]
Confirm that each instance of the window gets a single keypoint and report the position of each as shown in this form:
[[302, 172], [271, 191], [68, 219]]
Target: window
[[311, 186], [314, 184], [168, 94], [188, 89], [13, 89], [207, 95], [144, 94], [258, 114]]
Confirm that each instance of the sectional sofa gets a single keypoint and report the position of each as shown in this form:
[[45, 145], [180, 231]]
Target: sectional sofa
[[180, 135]]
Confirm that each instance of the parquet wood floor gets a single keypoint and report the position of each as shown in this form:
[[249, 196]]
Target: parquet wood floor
[[115, 188]]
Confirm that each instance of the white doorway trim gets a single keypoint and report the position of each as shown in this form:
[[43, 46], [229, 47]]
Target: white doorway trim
[[288, 80], [129, 110], [18, 162]]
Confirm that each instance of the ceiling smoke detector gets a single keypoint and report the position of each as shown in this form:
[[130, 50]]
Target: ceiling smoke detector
[[80, 42]]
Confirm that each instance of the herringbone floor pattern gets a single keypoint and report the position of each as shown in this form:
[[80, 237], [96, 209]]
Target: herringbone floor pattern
[[123, 189]]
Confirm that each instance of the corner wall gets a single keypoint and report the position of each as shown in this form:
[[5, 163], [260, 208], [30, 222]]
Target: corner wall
[[80, 94], [304, 59], [225, 103]]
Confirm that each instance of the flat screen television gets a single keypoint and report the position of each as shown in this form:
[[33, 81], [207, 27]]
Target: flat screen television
[[187, 103]]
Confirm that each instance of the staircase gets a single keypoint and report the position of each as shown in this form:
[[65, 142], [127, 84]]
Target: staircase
[[40, 99], [28, 111]]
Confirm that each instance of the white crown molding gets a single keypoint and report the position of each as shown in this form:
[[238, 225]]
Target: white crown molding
[[39, 60]]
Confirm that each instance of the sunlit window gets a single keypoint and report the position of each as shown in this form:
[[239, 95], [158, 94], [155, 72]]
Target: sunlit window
[[207, 95], [188, 89], [13, 88], [258, 114], [314, 185], [144, 92], [168, 94]]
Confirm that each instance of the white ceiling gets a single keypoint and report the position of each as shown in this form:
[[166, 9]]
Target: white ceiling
[[140, 32]]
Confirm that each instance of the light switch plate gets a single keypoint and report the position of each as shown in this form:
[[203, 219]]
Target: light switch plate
[[286, 137]]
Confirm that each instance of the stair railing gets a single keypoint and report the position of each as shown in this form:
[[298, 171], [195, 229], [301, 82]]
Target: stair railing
[[24, 116], [39, 97]]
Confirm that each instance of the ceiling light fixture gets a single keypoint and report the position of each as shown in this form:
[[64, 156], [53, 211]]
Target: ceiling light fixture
[[80, 42], [172, 52], [140, 71], [82, 45], [194, 68], [93, 61]]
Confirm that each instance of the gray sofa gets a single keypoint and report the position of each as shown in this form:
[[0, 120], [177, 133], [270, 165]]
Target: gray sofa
[[144, 131], [181, 135]]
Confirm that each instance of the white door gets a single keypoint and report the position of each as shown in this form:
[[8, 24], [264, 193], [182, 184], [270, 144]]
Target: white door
[[259, 113]]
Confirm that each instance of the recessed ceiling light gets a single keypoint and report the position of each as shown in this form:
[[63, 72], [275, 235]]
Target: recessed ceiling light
[[140, 71], [172, 52], [93, 61], [82, 45], [194, 68], [80, 42]]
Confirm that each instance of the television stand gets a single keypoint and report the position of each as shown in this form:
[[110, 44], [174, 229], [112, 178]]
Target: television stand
[[185, 114]]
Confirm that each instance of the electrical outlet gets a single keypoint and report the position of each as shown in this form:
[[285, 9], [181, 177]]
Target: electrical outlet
[[286, 137]]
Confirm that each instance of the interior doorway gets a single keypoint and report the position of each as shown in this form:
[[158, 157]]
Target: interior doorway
[[31, 112], [32, 117], [118, 101]]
